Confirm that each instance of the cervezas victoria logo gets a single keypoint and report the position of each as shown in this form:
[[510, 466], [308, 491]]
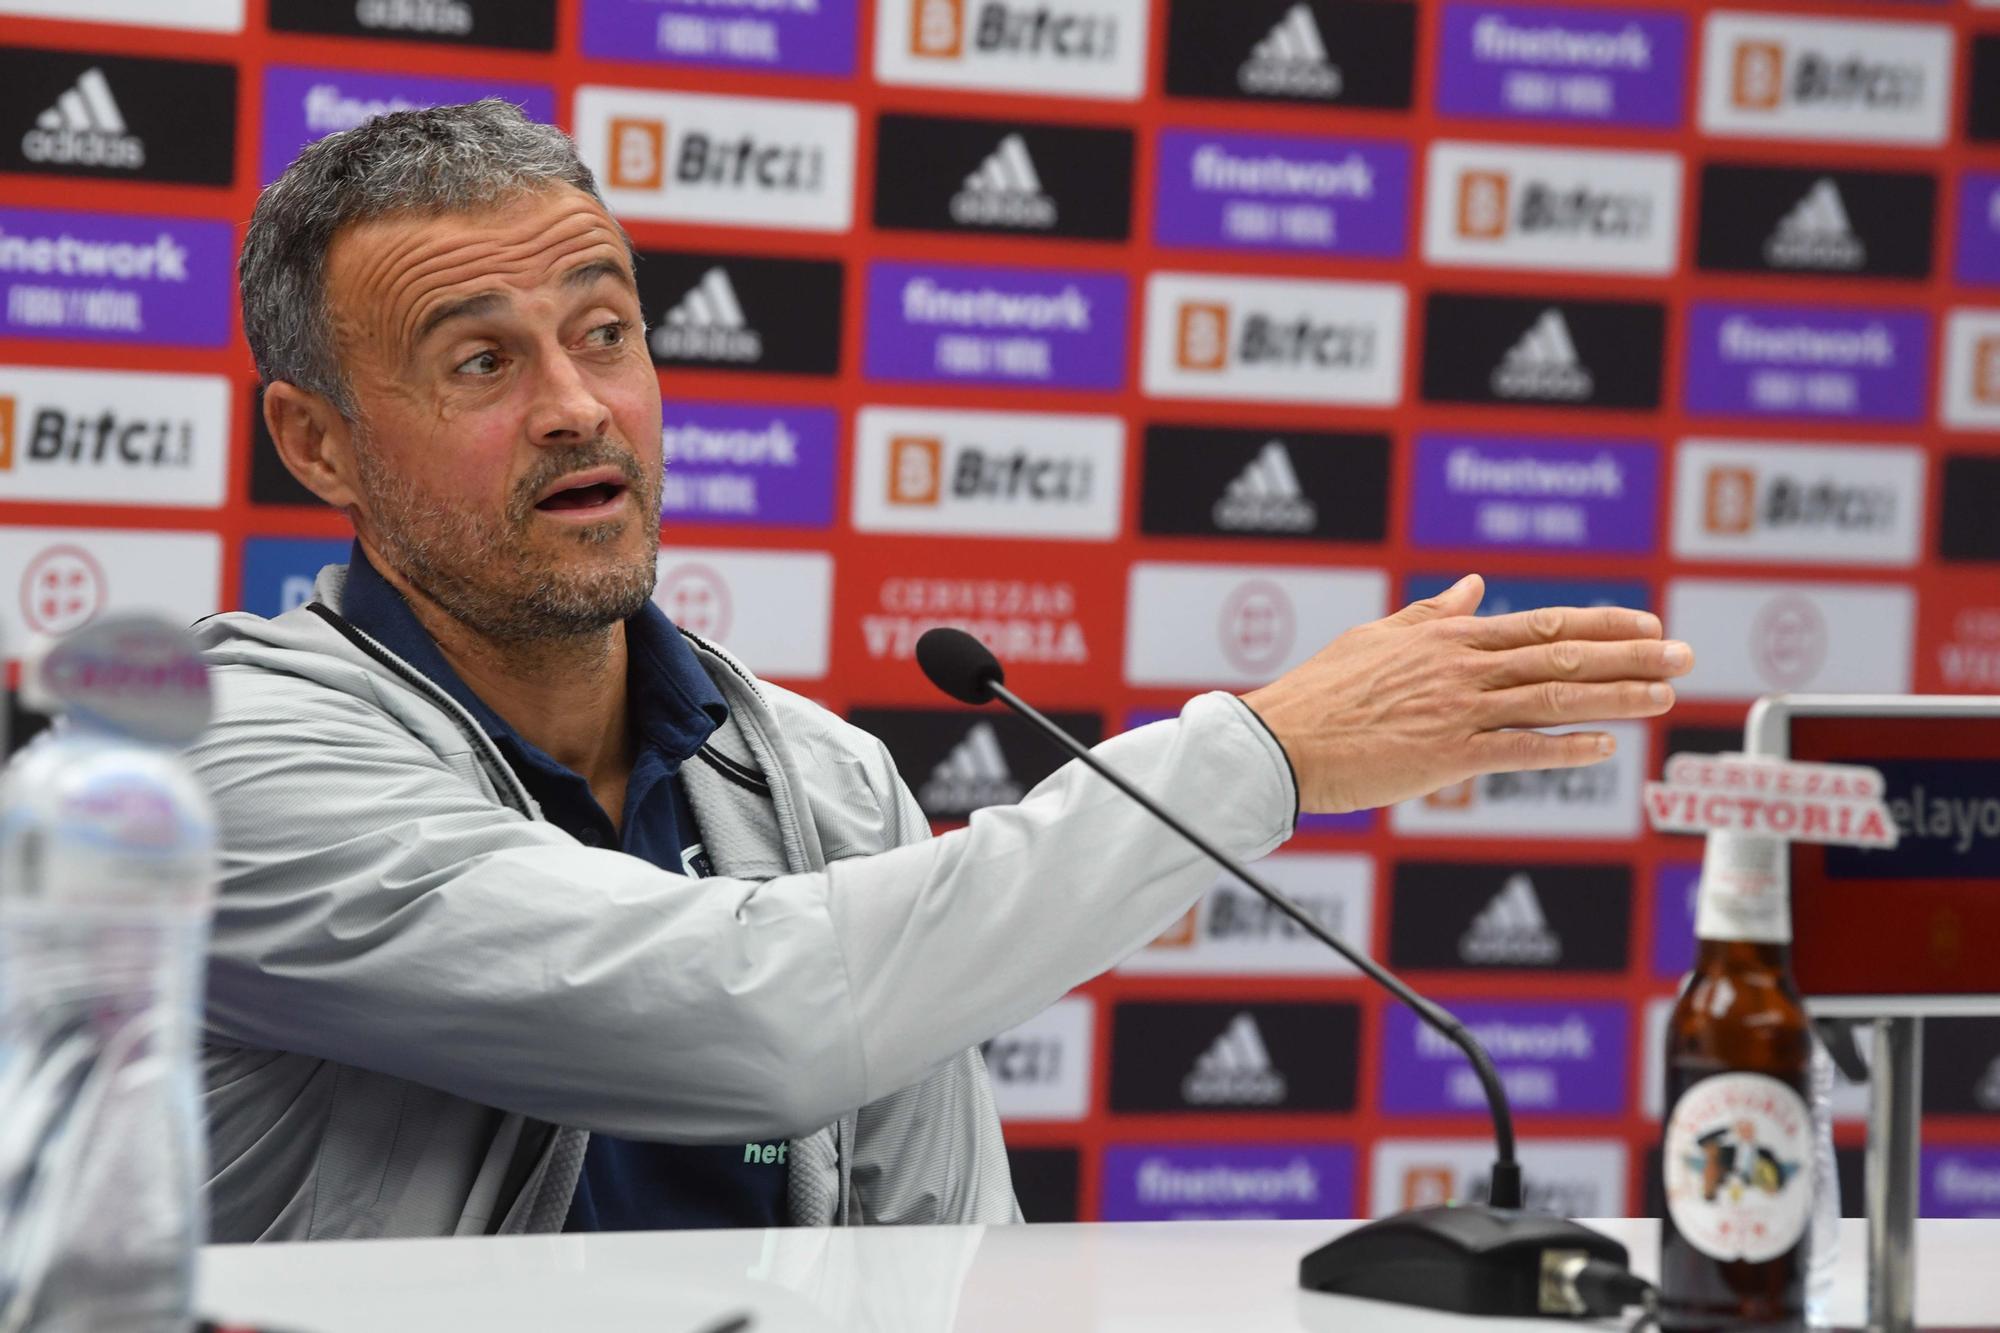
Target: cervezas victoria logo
[[1291, 60], [1005, 191], [1543, 363], [85, 127], [1235, 1070], [1816, 233]]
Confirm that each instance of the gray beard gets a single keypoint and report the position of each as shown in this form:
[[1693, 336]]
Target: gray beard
[[479, 571]]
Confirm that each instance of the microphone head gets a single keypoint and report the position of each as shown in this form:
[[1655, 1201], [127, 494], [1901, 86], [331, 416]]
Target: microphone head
[[959, 664]]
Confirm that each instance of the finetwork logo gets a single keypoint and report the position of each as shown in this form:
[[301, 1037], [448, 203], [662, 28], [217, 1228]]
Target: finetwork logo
[[1512, 929], [1543, 364], [1266, 497], [974, 774], [1291, 60], [1005, 191], [1816, 233], [707, 325], [85, 127], [1235, 1070]]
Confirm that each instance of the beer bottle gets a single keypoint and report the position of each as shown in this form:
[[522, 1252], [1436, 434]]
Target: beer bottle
[[1737, 1148]]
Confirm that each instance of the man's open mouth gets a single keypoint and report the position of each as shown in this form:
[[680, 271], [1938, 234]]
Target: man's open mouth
[[588, 496]]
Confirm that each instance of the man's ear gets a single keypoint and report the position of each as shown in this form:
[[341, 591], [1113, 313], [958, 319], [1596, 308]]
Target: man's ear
[[315, 442]]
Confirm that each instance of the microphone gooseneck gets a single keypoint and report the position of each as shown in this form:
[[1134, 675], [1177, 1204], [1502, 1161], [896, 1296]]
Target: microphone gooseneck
[[964, 668]]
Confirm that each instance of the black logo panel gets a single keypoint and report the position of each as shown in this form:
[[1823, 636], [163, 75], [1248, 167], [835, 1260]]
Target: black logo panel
[[957, 761], [1768, 219], [77, 113], [1542, 353], [1486, 917], [1339, 52], [1285, 485], [1009, 178], [521, 25], [1258, 1058], [709, 311]]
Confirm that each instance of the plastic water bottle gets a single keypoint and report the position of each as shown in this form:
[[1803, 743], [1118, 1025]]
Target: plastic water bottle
[[1823, 1235], [107, 882]]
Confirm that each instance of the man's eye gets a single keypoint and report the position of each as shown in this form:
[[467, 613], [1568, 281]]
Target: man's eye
[[485, 363], [609, 335]]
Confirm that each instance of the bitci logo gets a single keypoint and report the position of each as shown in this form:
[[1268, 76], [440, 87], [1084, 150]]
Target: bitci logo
[[1080, 48], [1757, 75], [1482, 205], [638, 153], [937, 29], [915, 466], [1729, 500], [1203, 340]]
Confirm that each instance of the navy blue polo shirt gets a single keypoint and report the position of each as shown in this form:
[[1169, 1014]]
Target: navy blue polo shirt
[[674, 706]]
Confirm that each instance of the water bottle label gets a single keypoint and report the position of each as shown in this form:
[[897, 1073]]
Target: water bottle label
[[1738, 1165]]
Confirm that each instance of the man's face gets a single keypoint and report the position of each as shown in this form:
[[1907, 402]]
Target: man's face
[[507, 412]]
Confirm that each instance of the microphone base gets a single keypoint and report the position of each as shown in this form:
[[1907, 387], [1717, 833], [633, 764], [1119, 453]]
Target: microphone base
[[1467, 1259]]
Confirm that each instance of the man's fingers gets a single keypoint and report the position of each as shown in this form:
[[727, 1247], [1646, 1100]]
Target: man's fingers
[[1587, 660], [1554, 703], [1460, 599], [1519, 751], [1550, 624]]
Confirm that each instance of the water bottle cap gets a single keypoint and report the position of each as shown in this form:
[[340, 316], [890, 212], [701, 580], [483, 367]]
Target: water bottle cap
[[132, 675]]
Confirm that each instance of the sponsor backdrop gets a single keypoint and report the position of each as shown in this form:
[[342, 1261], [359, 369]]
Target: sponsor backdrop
[[1201, 331]]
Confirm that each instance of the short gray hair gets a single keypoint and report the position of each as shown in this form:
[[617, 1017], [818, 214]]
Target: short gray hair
[[442, 159]]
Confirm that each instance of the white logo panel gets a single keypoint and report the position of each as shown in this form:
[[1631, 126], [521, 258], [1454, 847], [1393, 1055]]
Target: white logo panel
[[1233, 932], [772, 609], [1846, 504], [1224, 625], [1040, 1070], [1288, 340], [1042, 48], [1570, 1178], [1791, 77], [1513, 206], [107, 437], [999, 474], [731, 161], [54, 580], [1751, 638], [1597, 801], [195, 15], [1969, 397]]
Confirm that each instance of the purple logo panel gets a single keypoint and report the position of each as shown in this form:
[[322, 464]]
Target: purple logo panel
[[1354, 821], [303, 105], [1673, 918], [816, 38], [1551, 495], [739, 463], [1040, 328], [1166, 1181], [1808, 361], [1562, 1059], [122, 278], [1979, 228], [1282, 192], [1600, 67], [1960, 1182]]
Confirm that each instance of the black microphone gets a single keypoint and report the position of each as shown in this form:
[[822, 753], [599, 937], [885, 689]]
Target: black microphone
[[1508, 1260]]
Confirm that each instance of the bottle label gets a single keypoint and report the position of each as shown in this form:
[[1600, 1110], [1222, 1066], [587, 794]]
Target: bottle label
[[1738, 1163], [1745, 890]]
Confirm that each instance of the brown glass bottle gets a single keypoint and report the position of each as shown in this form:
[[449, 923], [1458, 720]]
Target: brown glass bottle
[[1737, 1145]]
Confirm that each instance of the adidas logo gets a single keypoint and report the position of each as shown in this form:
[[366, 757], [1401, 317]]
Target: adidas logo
[[85, 128], [1543, 363], [974, 774], [1235, 1070], [1266, 497], [707, 325], [1816, 234], [1006, 191], [1987, 1094], [1511, 929], [1291, 61]]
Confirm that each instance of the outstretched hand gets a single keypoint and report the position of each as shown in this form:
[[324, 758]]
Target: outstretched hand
[[1429, 696]]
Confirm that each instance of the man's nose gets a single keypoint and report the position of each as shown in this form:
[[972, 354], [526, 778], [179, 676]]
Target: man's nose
[[566, 409]]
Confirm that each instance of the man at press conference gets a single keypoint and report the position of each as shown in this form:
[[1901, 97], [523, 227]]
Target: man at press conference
[[540, 914]]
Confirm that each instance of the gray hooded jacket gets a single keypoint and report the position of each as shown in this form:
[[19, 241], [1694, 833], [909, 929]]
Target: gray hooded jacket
[[423, 997]]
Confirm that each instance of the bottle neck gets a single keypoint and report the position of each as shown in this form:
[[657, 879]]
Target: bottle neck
[[1745, 895]]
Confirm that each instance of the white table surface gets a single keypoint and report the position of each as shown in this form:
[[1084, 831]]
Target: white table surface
[[1158, 1277]]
